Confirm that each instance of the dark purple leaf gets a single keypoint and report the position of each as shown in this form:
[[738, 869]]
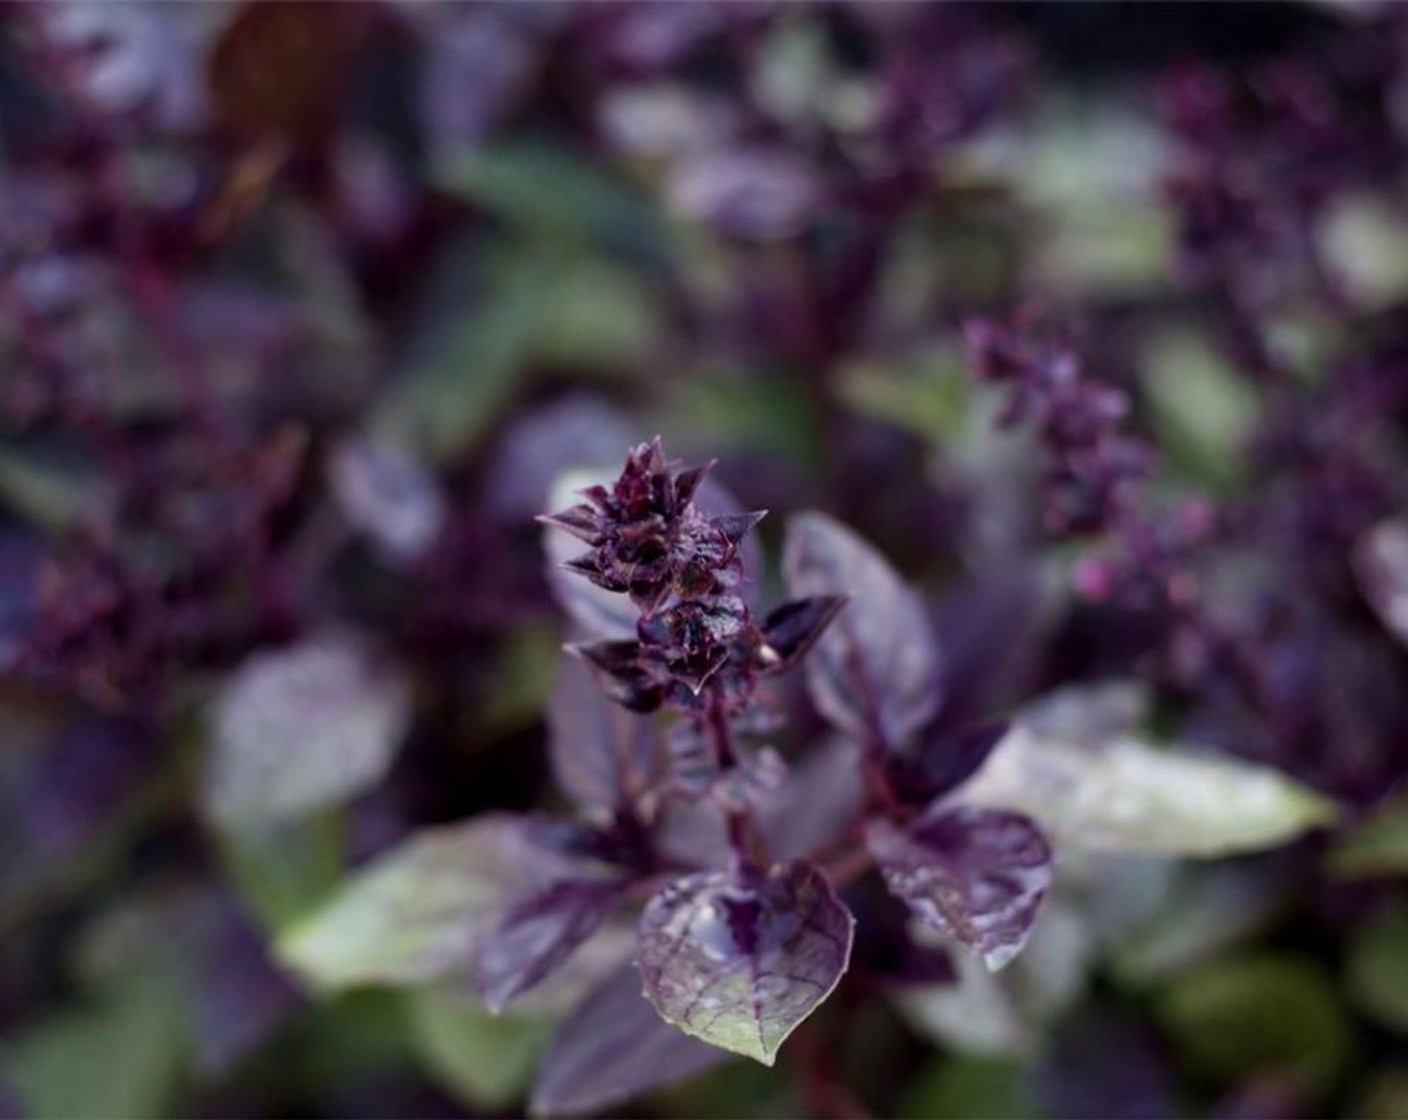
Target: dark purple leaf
[[614, 1047], [81, 783], [617, 668], [978, 875], [793, 628], [602, 755], [538, 934], [241, 997], [740, 958], [876, 671], [942, 760]]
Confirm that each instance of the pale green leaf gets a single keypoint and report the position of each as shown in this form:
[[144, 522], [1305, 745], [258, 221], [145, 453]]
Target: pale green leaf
[[1127, 795], [416, 912]]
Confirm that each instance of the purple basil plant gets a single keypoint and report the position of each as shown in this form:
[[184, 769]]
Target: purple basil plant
[[739, 955]]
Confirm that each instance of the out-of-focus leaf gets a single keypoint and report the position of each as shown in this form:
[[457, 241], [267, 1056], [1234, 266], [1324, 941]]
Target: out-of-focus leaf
[[455, 390], [1365, 244], [52, 484], [523, 666], [928, 401], [417, 913], [484, 1060], [1376, 846], [755, 194], [1384, 1095], [388, 495], [1007, 1013], [1377, 968], [612, 1048], [717, 408], [602, 755], [963, 1088], [542, 443], [974, 1015], [548, 192], [1103, 1061], [875, 673], [740, 959], [538, 934], [1202, 409], [978, 876], [284, 869], [1258, 1013], [120, 1055], [1126, 795], [594, 316], [1211, 909], [1381, 562], [300, 728]]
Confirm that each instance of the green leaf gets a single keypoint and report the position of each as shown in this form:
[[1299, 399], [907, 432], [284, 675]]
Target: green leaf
[[417, 912], [1377, 968], [1376, 847], [967, 1087], [1384, 1095], [1261, 1013], [121, 1055], [1125, 795], [552, 194], [927, 398], [486, 1061], [1202, 409], [451, 398]]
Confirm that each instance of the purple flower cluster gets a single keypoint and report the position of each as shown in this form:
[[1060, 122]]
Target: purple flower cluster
[[1092, 464], [681, 569]]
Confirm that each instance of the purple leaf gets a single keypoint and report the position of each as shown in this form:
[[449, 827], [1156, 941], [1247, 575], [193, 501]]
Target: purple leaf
[[388, 495], [876, 671], [620, 675], [792, 629], [614, 1047], [538, 934], [740, 958], [942, 760], [1381, 562], [978, 875], [752, 194], [602, 756], [301, 727]]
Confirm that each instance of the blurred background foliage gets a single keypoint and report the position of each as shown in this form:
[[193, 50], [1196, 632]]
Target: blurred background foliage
[[304, 307]]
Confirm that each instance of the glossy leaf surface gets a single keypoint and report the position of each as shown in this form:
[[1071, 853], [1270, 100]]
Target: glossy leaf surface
[[977, 875], [740, 959]]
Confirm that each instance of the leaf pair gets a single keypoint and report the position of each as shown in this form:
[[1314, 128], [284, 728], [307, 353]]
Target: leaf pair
[[977, 876]]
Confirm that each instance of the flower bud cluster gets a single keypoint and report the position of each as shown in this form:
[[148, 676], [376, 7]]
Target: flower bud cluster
[[681, 568]]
